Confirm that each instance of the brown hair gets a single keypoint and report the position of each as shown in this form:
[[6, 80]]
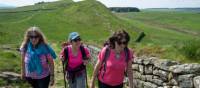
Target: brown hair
[[116, 37]]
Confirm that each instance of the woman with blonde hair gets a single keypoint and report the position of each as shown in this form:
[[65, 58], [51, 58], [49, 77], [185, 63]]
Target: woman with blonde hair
[[37, 66]]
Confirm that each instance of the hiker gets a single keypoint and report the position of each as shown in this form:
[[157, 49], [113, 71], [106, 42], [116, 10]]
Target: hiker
[[75, 57], [37, 66], [114, 60]]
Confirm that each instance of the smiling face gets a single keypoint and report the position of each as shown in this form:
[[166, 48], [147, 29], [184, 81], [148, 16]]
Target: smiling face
[[76, 41], [34, 38], [121, 44]]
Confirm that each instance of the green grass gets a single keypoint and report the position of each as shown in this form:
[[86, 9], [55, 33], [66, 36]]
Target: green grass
[[7, 57], [164, 30]]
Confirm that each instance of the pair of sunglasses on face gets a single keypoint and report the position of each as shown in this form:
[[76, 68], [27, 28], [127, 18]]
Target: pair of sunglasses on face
[[122, 42], [33, 36], [77, 39]]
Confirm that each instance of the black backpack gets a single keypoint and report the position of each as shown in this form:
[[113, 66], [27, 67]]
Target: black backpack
[[107, 54]]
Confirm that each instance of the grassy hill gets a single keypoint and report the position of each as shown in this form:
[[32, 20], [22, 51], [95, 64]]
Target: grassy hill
[[170, 34], [62, 19], [165, 31], [57, 19]]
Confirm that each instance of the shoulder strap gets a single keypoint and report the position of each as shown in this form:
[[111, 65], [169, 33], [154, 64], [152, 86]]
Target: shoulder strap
[[104, 62], [106, 55], [84, 57], [127, 54], [66, 57]]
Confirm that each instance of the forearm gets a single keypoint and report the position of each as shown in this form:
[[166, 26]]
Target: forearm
[[22, 65], [52, 69], [51, 66], [95, 72], [130, 76]]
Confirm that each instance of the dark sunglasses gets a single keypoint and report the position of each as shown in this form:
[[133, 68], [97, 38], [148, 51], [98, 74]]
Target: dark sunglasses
[[34, 37], [77, 39], [122, 42]]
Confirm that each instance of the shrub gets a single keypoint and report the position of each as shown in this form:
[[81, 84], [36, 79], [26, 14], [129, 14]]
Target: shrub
[[190, 49]]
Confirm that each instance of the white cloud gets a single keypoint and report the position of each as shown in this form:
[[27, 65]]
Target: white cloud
[[152, 3], [122, 3], [22, 2]]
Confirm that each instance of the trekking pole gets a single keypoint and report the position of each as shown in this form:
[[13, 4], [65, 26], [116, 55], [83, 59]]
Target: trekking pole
[[86, 77], [64, 74]]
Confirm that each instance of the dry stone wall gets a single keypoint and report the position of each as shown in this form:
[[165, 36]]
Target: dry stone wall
[[152, 72]]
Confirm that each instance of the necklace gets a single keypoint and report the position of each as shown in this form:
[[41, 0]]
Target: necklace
[[117, 56]]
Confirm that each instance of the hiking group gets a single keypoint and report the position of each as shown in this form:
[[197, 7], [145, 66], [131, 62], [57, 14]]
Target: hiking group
[[113, 63]]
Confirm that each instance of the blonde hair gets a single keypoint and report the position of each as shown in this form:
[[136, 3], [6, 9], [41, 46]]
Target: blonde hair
[[28, 33]]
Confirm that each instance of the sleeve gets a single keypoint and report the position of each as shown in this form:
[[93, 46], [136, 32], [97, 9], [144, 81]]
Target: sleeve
[[87, 52], [131, 55], [101, 54], [22, 50], [52, 52], [62, 54]]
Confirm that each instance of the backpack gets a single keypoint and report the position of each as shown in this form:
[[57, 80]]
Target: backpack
[[107, 54], [84, 57]]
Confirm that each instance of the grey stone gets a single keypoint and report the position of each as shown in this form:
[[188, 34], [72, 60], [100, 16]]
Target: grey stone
[[135, 67], [173, 82], [175, 87], [149, 85], [149, 78], [153, 60], [141, 69], [162, 74], [137, 75], [140, 84], [186, 81], [158, 82], [164, 64], [148, 69], [138, 60], [196, 82], [186, 69]]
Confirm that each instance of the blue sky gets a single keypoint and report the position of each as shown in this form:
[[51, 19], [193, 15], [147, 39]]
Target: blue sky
[[122, 3]]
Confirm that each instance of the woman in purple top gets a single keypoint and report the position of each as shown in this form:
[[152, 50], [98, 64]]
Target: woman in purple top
[[37, 59]]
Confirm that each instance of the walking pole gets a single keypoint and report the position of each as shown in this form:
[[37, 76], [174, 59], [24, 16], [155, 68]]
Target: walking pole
[[86, 77], [64, 73]]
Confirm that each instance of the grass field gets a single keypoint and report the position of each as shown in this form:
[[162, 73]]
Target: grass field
[[167, 32]]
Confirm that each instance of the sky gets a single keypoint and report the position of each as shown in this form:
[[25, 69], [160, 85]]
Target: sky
[[122, 3]]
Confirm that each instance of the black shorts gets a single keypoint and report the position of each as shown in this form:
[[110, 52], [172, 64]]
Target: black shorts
[[103, 85], [39, 83]]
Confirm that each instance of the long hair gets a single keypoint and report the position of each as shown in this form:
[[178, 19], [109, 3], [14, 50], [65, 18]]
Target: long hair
[[28, 33]]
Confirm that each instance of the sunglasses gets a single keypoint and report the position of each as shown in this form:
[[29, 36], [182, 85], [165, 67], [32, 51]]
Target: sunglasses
[[77, 39], [34, 37], [122, 42]]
